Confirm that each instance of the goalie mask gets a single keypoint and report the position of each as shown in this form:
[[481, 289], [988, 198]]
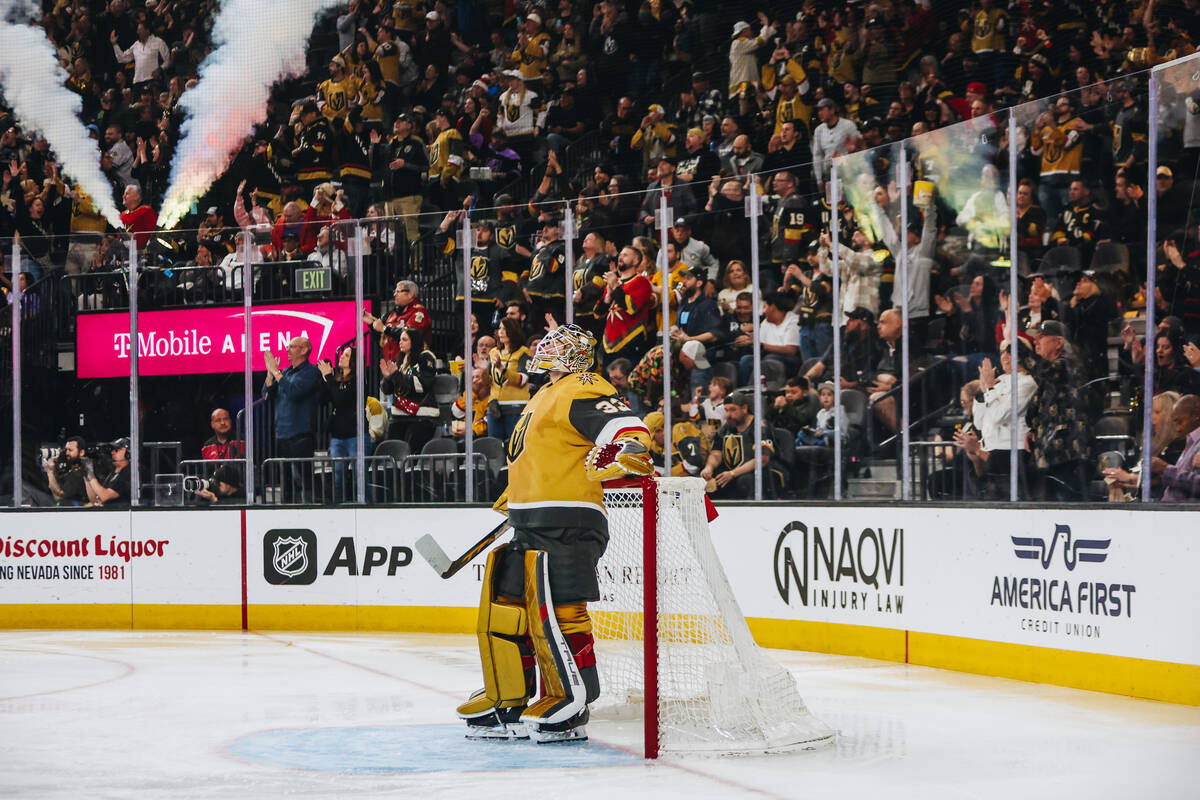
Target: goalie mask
[[567, 348]]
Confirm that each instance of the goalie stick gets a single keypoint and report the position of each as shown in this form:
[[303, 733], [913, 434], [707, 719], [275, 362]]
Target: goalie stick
[[432, 552]]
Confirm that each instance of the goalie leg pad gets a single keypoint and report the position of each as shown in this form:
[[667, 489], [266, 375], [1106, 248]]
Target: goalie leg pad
[[564, 694], [504, 651], [576, 625]]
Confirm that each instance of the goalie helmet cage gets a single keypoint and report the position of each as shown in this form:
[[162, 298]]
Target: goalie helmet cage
[[677, 644]]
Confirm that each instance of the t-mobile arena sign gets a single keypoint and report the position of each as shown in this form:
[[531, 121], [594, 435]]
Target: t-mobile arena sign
[[207, 339]]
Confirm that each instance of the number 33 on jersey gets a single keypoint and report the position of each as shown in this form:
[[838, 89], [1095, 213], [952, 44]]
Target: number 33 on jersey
[[547, 480]]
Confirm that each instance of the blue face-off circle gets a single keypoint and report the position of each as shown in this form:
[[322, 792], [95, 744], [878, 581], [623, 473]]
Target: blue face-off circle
[[413, 748]]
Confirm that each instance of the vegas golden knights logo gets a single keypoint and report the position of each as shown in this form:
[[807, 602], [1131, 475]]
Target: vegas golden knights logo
[[479, 268], [577, 280], [506, 236], [732, 448], [513, 112], [516, 442], [535, 269]]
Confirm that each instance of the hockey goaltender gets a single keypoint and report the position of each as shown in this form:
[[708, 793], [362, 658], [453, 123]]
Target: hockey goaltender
[[574, 433]]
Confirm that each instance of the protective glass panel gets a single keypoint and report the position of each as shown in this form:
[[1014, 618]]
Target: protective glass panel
[[1086, 152], [961, 197], [1170, 354], [869, 267]]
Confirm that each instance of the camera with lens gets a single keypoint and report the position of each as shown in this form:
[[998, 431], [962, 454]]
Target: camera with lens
[[196, 485]]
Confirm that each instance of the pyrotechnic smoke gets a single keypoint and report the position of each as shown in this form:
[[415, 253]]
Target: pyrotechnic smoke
[[33, 83], [256, 45]]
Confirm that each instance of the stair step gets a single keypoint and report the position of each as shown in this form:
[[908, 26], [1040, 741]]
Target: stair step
[[872, 488]]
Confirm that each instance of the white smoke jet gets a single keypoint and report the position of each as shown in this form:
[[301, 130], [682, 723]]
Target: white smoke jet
[[256, 45], [33, 83]]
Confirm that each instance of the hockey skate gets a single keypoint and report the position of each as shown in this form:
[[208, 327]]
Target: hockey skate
[[572, 730], [495, 724]]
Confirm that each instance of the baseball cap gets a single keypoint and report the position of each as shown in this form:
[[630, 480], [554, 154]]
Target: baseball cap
[[865, 314], [683, 222], [698, 272], [655, 107], [826, 103], [117, 444], [976, 87], [699, 76], [826, 385], [696, 352], [741, 398], [1053, 327], [738, 27], [211, 210], [1164, 171], [433, 15], [534, 18]]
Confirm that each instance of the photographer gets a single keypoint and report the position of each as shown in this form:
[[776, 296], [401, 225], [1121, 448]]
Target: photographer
[[225, 485], [114, 490], [66, 473]]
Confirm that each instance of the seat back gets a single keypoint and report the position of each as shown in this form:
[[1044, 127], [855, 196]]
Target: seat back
[[396, 448], [1110, 460], [775, 374], [1062, 258], [726, 370], [1111, 426], [439, 446], [493, 450], [1111, 257], [445, 389]]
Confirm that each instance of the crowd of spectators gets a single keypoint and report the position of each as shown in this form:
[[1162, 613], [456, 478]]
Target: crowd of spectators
[[501, 116]]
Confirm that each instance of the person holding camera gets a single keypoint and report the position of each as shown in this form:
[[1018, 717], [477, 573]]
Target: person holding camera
[[224, 485], [114, 489], [66, 473]]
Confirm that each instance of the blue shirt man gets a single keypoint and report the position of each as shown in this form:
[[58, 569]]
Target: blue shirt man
[[294, 391]]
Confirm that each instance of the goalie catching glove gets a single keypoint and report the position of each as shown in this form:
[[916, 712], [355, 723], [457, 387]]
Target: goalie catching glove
[[627, 456]]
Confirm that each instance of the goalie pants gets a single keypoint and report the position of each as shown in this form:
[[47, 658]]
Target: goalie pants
[[572, 555]]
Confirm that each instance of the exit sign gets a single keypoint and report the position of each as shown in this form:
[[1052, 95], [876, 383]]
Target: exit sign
[[314, 279]]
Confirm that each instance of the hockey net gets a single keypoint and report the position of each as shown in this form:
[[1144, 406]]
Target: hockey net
[[695, 671]]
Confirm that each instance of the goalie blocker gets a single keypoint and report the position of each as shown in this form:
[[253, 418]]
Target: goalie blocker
[[575, 432]]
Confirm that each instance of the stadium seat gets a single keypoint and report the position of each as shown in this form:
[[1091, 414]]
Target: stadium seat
[[1111, 257], [1063, 258], [725, 370], [775, 374]]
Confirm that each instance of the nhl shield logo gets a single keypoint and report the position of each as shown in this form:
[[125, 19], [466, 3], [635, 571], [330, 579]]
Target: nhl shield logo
[[289, 557]]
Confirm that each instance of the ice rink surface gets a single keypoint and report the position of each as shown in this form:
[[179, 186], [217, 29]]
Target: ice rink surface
[[117, 714]]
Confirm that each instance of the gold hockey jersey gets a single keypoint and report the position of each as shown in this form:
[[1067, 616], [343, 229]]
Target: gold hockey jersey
[[547, 482]]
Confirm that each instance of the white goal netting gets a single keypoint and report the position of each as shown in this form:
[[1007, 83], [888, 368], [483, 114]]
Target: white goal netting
[[718, 692]]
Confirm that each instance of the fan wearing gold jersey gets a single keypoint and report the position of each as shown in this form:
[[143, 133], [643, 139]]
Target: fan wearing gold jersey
[[575, 432]]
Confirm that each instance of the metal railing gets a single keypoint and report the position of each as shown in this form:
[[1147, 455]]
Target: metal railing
[[324, 479]]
